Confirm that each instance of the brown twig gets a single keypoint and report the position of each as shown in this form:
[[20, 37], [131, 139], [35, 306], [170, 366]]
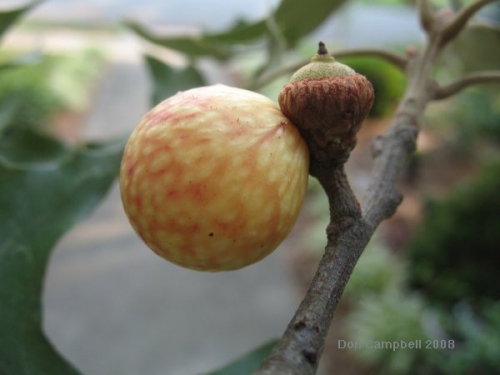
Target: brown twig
[[426, 15], [452, 29], [299, 350], [484, 77]]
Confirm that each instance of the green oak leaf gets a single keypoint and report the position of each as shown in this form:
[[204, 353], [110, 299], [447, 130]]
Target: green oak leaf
[[293, 19], [477, 47], [248, 363], [39, 202]]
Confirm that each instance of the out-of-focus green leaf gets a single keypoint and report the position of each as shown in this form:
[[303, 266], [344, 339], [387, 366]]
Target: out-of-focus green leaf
[[26, 97], [169, 81], [39, 202], [29, 146], [218, 45], [248, 363], [297, 18], [191, 46], [293, 18], [478, 46], [7, 112], [241, 32], [7, 18]]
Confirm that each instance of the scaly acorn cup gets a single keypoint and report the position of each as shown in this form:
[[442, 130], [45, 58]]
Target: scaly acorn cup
[[213, 178], [327, 101]]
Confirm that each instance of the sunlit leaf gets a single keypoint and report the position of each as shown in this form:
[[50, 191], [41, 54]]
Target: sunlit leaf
[[247, 364], [168, 81], [39, 202]]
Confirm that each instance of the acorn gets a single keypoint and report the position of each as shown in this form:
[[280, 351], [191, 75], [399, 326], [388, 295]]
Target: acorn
[[327, 101]]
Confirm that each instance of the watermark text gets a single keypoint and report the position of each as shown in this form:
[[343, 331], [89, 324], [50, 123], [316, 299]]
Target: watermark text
[[395, 345]]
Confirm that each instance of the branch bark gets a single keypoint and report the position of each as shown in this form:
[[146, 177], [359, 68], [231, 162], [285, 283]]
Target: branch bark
[[485, 77], [426, 15], [299, 350], [351, 227], [451, 30]]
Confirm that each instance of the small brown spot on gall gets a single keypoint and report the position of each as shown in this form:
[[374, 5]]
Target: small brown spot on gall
[[211, 234]]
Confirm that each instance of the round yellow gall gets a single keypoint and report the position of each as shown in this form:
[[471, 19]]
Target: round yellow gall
[[214, 178]]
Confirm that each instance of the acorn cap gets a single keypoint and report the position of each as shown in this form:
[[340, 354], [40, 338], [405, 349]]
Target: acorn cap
[[327, 101], [322, 65]]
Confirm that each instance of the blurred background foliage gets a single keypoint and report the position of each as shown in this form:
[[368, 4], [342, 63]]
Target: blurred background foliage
[[54, 83], [441, 285], [454, 254], [30, 96]]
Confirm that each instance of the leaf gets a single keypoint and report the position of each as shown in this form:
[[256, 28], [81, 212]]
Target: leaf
[[477, 47], [7, 112], [218, 45], [248, 363], [169, 81], [298, 18], [36, 147], [294, 18], [7, 18], [39, 202], [191, 46]]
